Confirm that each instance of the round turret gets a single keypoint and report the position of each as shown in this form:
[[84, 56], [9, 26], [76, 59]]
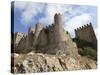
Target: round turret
[[58, 28], [57, 19]]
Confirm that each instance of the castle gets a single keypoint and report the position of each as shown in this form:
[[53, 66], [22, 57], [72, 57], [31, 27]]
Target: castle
[[86, 33], [52, 39]]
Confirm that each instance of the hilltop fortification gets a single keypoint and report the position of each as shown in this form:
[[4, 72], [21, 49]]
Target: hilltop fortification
[[86, 33], [52, 39], [51, 48]]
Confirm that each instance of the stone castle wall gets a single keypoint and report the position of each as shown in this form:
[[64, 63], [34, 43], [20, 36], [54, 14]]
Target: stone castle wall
[[17, 37], [38, 29], [52, 39], [50, 33], [86, 33], [42, 39], [30, 37]]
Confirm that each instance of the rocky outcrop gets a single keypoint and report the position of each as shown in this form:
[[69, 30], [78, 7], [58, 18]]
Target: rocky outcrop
[[38, 62]]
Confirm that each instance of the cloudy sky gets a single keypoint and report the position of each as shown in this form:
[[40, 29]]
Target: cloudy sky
[[73, 16]]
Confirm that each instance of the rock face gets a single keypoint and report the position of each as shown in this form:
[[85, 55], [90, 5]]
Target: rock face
[[37, 62]]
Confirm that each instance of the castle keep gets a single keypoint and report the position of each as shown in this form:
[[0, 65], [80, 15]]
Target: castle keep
[[52, 39], [86, 33]]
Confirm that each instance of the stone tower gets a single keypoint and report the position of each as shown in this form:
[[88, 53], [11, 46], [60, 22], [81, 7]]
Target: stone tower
[[17, 37], [30, 37], [58, 28], [38, 29], [86, 33], [31, 30], [53, 39]]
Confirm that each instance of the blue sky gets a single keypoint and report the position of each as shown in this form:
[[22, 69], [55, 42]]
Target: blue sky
[[73, 16]]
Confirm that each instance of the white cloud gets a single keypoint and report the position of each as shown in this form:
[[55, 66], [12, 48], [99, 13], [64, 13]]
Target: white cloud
[[50, 11], [20, 5], [77, 22], [72, 16], [67, 12], [28, 10]]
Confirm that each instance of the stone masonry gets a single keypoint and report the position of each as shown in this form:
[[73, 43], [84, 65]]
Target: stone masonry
[[52, 39], [86, 33]]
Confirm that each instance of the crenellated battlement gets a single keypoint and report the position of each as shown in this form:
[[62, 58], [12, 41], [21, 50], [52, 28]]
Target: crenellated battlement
[[86, 33], [51, 39], [50, 27], [84, 27]]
